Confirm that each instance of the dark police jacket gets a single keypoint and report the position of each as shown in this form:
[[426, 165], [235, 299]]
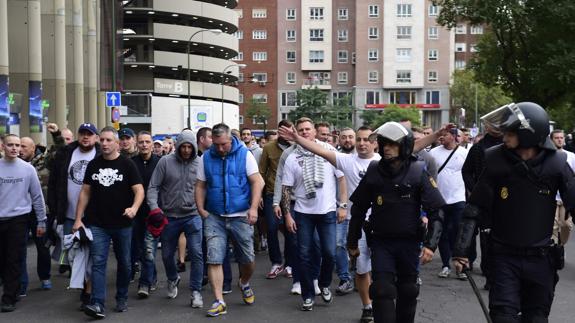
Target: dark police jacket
[[396, 200], [516, 198]]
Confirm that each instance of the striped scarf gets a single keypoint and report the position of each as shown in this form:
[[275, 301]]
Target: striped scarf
[[312, 171]]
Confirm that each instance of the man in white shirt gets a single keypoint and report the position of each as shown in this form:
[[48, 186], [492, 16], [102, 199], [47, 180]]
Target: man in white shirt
[[449, 158], [562, 226], [313, 182]]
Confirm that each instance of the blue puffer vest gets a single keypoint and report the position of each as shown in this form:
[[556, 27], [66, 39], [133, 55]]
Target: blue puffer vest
[[228, 187]]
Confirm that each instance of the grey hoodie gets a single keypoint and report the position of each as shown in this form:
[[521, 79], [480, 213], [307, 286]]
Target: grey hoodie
[[172, 184], [256, 150]]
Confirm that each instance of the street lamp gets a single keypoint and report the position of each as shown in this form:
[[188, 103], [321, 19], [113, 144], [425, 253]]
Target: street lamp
[[223, 76], [214, 31]]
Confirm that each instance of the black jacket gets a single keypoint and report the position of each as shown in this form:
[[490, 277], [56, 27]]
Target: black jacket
[[58, 181], [146, 169], [475, 161]]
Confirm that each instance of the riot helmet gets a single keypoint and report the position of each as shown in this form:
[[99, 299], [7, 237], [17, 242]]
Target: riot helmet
[[395, 132], [527, 119]]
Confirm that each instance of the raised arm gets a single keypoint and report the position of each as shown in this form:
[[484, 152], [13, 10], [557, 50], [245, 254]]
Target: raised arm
[[291, 135]]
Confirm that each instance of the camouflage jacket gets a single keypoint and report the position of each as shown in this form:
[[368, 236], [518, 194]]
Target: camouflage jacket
[[42, 163]]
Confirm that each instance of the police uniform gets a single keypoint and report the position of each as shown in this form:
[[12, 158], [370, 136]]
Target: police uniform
[[515, 198], [394, 230]]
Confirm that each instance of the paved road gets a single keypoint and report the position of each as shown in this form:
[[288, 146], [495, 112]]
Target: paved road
[[441, 300]]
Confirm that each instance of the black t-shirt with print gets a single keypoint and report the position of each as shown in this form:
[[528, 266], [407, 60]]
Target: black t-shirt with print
[[111, 184]]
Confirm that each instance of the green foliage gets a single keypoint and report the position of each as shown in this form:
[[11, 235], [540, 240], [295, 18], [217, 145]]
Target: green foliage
[[313, 103], [259, 111], [375, 119], [528, 47], [563, 116], [464, 91]]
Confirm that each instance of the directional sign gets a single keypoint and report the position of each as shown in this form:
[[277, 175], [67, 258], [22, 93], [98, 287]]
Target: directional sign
[[115, 114], [113, 99]]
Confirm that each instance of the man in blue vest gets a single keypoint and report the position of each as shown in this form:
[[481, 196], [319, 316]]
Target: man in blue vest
[[228, 192]]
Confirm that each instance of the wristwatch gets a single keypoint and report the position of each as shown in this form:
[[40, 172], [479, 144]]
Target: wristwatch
[[342, 205]]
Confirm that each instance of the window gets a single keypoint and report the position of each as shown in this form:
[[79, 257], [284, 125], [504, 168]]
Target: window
[[373, 11], [403, 77], [290, 35], [316, 56], [316, 13], [288, 99], [373, 33], [342, 14], [476, 30], [239, 57], [240, 13], [240, 98], [260, 97], [290, 78], [239, 34], [290, 56], [261, 77], [284, 116], [403, 32], [259, 13], [402, 97], [342, 35], [338, 98], [460, 65], [257, 120], [341, 77], [372, 77], [433, 10], [259, 34], [290, 14], [460, 29], [241, 119], [353, 57], [403, 55], [316, 35], [240, 77], [372, 97], [432, 76], [473, 48], [259, 56], [431, 97], [433, 54], [342, 56], [372, 55], [433, 33], [403, 10], [460, 47]]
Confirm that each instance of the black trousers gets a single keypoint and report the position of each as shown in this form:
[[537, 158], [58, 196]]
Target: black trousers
[[12, 241]]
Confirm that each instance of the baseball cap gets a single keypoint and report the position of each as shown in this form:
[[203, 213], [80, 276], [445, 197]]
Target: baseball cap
[[126, 132], [89, 127], [158, 142]]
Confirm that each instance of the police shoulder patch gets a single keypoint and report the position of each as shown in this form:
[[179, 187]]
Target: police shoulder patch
[[504, 193], [380, 200], [432, 181]]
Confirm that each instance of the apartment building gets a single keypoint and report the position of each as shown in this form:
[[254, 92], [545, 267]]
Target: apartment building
[[466, 39]]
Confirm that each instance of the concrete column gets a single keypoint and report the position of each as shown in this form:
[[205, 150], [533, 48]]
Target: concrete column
[[92, 63], [4, 70], [34, 64], [78, 64], [102, 109], [60, 62]]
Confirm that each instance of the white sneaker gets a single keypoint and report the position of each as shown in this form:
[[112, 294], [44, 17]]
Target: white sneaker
[[444, 272], [288, 272], [461, 276], [296, 289], [197, 301], [316, 287], [173, 288]]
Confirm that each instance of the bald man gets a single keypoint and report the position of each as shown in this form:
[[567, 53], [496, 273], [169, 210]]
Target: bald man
[[67, 135]]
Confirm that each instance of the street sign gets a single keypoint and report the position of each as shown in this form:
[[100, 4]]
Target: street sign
[[113, 99], [115, 114]]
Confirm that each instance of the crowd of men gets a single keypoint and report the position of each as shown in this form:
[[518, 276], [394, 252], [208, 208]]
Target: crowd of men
[[370, 206]]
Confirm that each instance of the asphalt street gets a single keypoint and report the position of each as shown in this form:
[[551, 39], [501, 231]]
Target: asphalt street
[[441, 300]]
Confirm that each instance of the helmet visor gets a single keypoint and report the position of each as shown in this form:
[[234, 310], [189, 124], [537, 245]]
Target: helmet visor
[[392, 131], [507, 118]]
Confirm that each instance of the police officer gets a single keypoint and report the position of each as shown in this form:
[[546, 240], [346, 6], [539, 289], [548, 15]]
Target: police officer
[[395, 189], [515, 197]]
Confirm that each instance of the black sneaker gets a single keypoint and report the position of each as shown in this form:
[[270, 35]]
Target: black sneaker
[[8, 307], [345, 287], [121, 306], [63, 269], [366, 315], [307, 305], [95, 311]]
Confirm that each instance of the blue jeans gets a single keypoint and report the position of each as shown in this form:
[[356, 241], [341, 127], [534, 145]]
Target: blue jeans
[[325, 225], [191, 226], [341, 259], [99, 248], [149, 275], [217, 229], [138, 236], [452, 216]]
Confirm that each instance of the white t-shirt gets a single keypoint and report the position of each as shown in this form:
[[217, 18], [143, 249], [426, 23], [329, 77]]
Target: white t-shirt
[[251, 168], [325, 199], [76, 171], [450, 181], [571, 163], [354, 168]]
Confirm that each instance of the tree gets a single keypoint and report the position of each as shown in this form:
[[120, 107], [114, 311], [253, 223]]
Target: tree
[[311, 103], [563, 116], [528, 47], [375, 119], [465, 90], [259, 111]]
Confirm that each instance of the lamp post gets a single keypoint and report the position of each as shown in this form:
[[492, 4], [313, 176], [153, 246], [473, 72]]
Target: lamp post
[[223, 76], [214, 31]]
